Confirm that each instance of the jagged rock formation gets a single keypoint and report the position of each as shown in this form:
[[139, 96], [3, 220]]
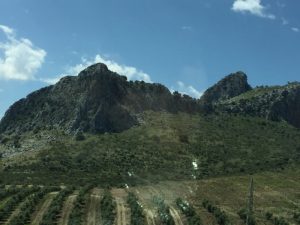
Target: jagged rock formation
[[273, 103], [230, 86], [97, 100]]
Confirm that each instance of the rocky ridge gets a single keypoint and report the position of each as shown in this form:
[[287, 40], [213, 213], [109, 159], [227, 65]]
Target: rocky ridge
[[273, 103], [96, 101]]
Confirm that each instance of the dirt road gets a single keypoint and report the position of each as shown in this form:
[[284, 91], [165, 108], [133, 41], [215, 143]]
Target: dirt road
[[67, 209], [123, 212], [93, 208], [176, 216], [38, 215], [150, 218]]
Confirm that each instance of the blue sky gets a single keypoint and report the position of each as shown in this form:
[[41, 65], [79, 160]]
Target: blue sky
[[185, 44]]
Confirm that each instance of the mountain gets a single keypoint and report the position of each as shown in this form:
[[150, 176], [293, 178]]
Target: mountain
[[232, 85], [96, 101], [99, 127], [277, 103]]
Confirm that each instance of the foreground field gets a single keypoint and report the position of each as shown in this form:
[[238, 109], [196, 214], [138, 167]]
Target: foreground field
[[277, 194]]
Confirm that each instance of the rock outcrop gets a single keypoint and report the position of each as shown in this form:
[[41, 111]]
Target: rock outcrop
[[97, 100], [230, 86], [273, 103]]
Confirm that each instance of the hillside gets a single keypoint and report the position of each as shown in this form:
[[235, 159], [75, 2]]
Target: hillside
[[99, 127], [164, 146], [276, 103]]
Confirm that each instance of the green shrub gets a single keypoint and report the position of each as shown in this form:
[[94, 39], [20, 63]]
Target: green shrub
[[76, 216], [220, 215], [189, 211], [108, 208], [137, 213], [296, 217], [269, 215], [164, 212]]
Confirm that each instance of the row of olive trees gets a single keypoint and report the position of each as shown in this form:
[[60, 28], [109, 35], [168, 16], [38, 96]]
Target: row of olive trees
[[163, 211], [220, 215], [14, 201], [136, 209], [77, 214], [108, 208], [29, 206], [189, 212], [50, 217]]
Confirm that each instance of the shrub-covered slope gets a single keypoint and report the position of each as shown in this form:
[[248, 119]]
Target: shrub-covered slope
[[275, 103], [164, 146]]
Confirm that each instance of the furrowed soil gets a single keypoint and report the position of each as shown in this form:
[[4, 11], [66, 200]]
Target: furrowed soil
[[123, 211], [67, 209], [93, 208]]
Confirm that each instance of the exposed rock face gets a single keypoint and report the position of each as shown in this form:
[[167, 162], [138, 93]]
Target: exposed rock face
[[273, 103], [97, 100], [230, 86]]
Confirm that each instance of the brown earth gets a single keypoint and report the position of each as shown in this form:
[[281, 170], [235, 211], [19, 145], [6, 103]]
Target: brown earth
[[123, 211], [93, 208], [67, 209]]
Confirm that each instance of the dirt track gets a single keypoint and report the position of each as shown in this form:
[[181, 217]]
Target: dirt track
[[123, 212], [38, 215], [176, 216], [150, 217], [67, 209], [93, 208]]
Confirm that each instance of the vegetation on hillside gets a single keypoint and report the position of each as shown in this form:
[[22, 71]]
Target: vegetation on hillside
[[164, 146]]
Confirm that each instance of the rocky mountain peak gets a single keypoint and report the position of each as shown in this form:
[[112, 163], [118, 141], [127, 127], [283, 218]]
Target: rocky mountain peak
[[98, 68], [230, 86], [97, 100]]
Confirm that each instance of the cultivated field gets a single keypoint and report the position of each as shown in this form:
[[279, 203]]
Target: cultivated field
[[276, 201]]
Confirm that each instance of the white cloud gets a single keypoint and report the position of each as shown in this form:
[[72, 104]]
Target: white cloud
[[21, 59], [53, 80], [295, 29], [188, 90], [7, 30], [254, 7], [130, 72]]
